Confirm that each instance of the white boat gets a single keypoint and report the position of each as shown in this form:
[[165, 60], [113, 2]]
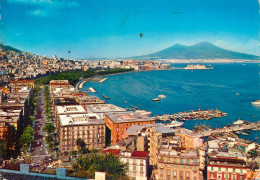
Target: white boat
[[161, 96], [256, 102], [239, 122], [175, 124], [144, 112], [156, 99]]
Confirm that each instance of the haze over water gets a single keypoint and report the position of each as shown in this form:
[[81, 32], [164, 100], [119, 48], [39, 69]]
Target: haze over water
[[228, 87]]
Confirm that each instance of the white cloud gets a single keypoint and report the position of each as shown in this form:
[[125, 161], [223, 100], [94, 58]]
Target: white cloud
[[38, 12], [46, 7]]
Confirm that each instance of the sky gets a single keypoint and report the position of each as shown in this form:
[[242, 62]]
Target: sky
[[112, 28]]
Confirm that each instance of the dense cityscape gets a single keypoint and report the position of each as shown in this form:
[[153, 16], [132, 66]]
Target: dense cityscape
[[50, 128]]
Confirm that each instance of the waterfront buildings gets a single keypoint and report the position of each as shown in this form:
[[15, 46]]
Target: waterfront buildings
[[101, 109], [88, 127], [119, 122]]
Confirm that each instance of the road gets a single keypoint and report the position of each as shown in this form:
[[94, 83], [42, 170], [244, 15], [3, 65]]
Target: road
[[39, 149]]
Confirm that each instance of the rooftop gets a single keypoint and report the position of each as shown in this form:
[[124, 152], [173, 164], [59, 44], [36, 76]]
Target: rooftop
[[103, 108], [121, 117], [79, 119], [72, 109]]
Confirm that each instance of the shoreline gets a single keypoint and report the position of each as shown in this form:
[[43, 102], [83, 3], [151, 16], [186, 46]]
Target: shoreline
[[80, 84]]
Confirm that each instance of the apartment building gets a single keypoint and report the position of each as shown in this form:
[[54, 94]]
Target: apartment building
[[119, 122], [89, 127]]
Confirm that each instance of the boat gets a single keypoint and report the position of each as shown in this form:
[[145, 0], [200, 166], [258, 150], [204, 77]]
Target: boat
[[238, 122], [144, 112], [161, 96], [92, 89], [104, 96], [248, 132], [238, 132], [156, 99], [175, 124], [256, 102], [244, 133]]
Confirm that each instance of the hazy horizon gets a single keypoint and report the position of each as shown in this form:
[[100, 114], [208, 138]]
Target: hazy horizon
[[121, 29]]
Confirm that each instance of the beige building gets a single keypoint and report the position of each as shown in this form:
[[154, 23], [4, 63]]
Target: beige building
[[88, 127], [177, 165]]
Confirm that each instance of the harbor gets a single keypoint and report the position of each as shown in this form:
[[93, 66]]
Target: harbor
[[242, 128], [192, 115]]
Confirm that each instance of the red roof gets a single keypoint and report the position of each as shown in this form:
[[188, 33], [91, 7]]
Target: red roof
[[56, 84], [139, 154], [113, 151]]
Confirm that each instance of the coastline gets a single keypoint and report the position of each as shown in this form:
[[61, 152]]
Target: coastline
[[81, 83]]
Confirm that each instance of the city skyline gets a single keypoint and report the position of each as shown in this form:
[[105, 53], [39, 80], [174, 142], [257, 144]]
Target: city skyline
[[101, 29]]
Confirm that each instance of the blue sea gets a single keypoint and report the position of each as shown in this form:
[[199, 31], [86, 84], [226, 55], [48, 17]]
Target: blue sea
[[228, 87]]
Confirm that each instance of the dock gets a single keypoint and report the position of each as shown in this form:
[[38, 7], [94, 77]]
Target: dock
[[102, 80], [232, 128], [194, 115], [92, 89]]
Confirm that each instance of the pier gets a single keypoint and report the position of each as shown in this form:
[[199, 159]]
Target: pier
[[195, 115], [232, 128], [102, 80]]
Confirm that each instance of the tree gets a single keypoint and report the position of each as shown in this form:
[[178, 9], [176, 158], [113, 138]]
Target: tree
[[49, 128], [101, 162], [49, 138], [81, 144], [27, 138]]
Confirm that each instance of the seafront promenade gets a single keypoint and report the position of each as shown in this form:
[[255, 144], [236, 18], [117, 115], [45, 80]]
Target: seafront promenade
[[232, 128]]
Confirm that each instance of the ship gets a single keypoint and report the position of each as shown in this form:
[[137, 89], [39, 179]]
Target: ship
[[257, 103], [156, 99], [161, 96], [238, 122], [104, 96], [175, 124], [143, 112]]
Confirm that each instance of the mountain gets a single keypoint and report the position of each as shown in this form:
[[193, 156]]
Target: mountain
[[202, 50], [8, 48]]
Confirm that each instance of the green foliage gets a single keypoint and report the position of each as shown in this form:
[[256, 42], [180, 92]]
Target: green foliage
[[49, 138], [49, 128], [81, 144], [27, 138], [101, 162], [8, 143], [73, 76]]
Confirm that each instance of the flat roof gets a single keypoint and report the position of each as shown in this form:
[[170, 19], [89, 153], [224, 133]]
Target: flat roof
[[80, 119], [103, 108], [72, 109], [121, 117]]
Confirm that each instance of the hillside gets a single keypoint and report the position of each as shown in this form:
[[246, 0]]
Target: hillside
[[203, 50], [8, 48]]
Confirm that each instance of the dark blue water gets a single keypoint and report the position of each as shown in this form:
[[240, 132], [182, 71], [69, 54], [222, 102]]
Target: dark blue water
[[228, 87]]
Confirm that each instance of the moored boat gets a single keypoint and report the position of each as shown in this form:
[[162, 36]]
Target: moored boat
[[257, 103], [156, 99], [238, 122], [175, 124]]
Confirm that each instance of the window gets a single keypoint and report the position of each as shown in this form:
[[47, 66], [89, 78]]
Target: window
[[241, 177], [195, 168], [174, 173], [227, 176], [195, 160], [212, 168], [234, 177], [241, 171], [168, 172], [175, 160], [181, 160], [188, 161], [219, 169], [141, 169]]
